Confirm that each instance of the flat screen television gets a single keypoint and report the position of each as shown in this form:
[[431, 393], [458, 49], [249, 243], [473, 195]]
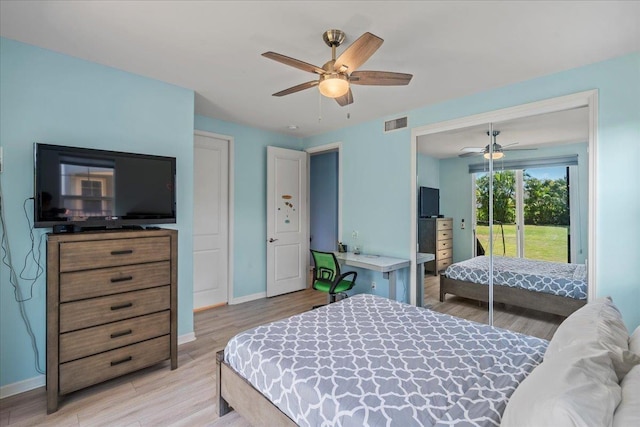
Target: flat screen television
[[92, 189], [429, 202]]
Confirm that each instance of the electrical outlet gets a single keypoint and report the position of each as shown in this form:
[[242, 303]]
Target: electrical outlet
[[373, 285], [354, 234]]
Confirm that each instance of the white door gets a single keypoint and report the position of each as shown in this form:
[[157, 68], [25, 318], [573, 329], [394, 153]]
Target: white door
[[287, 241], [210, 221]]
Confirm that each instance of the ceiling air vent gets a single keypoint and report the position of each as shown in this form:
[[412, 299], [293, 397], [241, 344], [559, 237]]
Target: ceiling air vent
[[395, 124]]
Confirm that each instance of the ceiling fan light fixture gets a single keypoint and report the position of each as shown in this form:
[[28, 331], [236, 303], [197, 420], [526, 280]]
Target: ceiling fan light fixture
[[333, 85], [496, 155]]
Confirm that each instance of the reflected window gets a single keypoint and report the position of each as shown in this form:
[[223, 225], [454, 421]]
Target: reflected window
[[531, 213], [87, 187]]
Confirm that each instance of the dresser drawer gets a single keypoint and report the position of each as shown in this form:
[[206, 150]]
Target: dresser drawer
[[92, 370], [444, 244], [85, 342], [97, 311], [107, 281], [444, 224], [75, 256], [445, 253], [442, 264], [445, 234]]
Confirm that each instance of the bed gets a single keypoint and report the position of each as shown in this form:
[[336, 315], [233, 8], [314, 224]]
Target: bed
[[368, 360], [552, 287]]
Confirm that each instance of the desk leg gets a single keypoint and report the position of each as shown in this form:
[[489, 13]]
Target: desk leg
[[420, 286], [391, 275]]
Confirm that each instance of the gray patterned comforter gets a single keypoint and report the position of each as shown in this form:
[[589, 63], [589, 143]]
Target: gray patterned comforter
[[566, 280], [371, 361]]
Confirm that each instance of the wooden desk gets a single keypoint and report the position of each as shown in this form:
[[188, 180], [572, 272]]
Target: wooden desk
[[387, 266]]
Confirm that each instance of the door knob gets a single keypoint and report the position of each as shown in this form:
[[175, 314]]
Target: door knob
[[271, 240]]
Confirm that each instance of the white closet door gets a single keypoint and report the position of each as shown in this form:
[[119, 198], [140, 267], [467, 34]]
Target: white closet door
[[210, 221]]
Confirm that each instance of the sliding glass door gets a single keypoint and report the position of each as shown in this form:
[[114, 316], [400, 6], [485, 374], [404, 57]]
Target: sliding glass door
[[532, 212], [546, 214]]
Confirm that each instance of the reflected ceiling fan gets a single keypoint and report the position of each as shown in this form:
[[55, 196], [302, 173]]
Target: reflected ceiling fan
[[498, 150], [336, 76]]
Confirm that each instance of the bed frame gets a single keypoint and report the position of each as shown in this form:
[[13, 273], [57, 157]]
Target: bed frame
[[236, 393], [525, 298]]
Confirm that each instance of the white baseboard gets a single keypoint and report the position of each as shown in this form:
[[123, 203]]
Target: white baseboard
[[22, 386], [183, 339], [247, 298], [41, 380]]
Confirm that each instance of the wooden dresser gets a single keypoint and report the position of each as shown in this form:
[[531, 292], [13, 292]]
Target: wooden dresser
[[111, 306], [435, 236]]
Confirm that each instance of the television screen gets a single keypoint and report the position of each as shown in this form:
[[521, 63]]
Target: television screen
[[429, 202], [99, 188]]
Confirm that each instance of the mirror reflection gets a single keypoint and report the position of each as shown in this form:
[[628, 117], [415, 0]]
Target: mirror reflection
[[522, 227]]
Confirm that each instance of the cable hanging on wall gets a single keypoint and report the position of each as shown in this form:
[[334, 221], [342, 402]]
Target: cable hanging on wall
[[14, 277]]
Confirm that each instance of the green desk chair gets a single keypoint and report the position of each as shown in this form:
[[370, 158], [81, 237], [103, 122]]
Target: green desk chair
[[327, 276]]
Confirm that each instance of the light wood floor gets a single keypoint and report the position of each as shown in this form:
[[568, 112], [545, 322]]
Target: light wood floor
[[186, 397]]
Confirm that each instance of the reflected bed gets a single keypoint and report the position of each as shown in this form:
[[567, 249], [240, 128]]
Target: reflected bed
[[558, 288]]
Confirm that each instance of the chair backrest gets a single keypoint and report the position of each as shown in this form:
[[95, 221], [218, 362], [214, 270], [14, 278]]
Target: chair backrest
[[326, 265]]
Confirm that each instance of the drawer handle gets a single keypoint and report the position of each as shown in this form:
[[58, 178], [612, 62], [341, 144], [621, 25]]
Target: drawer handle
[[117, 362], [121, 306], [124, 252], [121, 279], [121, 334]]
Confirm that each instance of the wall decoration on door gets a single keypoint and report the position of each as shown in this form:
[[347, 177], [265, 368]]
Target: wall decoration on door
[[287, 213], [286, 209]]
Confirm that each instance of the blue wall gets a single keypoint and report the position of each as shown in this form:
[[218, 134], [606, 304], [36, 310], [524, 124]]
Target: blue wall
[[323, 203], [250, 188], [376, 182], [57, 99], [375, 196], [428, 171], [456, 193]]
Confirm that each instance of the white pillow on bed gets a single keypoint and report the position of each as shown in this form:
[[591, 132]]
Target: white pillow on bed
[[598, 323], [628, 412], [578, 389], [634, 341]]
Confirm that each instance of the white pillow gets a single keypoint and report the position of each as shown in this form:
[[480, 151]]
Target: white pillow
[[578, 389], [599, 323], [634, 341], [628, 412]]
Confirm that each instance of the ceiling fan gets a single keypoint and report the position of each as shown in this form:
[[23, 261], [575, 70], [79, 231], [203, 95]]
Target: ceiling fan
[[498, 150], [337, 74]]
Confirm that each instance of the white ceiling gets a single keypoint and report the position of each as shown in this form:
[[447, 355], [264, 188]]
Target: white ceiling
[[452, 48], [563, 127]]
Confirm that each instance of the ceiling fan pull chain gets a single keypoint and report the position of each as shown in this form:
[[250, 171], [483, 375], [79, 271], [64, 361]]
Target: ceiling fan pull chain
[[319, 107]]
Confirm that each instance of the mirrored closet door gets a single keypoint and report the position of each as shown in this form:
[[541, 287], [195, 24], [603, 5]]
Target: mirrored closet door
[[516, 195]]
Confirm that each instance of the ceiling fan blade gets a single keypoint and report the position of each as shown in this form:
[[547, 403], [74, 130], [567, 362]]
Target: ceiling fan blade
[[345, 99], [471, 154], [509, 145], [297, 88], [519, 149], [472, 150], [292, 62], [358, 53], [379, 78]]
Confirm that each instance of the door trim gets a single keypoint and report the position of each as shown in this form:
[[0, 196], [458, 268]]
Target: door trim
[[334, 146], [230, 237], [587, 98]]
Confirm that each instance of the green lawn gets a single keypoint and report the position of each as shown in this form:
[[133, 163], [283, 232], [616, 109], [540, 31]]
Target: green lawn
[[541, 242]]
